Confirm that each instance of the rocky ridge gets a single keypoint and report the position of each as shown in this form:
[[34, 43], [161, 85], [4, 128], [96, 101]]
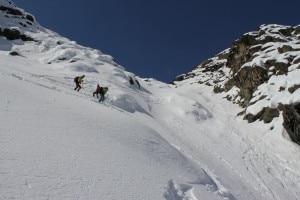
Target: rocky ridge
[[14, 22], [261, 73], [19, 30]]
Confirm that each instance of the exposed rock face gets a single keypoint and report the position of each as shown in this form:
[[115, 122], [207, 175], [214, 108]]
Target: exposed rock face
[[247, 80], [291, 115], [240, 52], [11, 11], [258, 71], [14, 34], [14, 22], [266, 115]]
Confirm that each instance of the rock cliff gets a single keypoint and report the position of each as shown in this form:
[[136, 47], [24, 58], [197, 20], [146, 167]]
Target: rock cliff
[[261, 73]]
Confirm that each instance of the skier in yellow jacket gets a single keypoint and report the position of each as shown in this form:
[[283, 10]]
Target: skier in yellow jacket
[[78, 80]]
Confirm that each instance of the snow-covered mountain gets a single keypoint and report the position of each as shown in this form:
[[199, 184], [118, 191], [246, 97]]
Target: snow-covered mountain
[[261, 73], [157, 142]]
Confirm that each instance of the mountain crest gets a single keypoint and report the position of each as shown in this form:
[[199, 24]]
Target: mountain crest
[[260, 72]]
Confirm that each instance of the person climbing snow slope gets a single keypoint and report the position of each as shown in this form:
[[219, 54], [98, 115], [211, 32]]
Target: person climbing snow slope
[[103, 91], [97, 91], [78, 80]]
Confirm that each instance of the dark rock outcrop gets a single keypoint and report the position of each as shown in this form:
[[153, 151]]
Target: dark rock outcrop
[[291, 116], [240, 52], [11, 11], [266, 115], [247, 80], [14, 34], [17, 19]]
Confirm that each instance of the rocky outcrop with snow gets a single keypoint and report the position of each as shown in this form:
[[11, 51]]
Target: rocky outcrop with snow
[[20, 33], [260, 72], [14, 22]]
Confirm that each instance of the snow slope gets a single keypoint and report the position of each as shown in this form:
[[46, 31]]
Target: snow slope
[[159, 142], [61, 144], [155, 143]]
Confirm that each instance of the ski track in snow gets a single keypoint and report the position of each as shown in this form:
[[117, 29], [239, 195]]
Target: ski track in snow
[[257, 159]]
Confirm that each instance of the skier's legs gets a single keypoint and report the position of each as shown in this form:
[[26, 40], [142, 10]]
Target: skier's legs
[[101, 97], [77, 86]]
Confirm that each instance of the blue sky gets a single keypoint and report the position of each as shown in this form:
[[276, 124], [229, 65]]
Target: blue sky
[[159, 38]]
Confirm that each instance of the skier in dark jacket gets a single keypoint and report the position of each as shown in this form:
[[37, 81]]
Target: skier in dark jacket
[[78, 80], [103, 91], [98, 89]]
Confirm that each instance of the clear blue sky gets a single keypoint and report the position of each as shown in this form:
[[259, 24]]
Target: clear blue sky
[[159, 38]]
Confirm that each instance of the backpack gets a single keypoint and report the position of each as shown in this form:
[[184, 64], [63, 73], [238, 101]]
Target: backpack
[[104, 89], [76, 79]]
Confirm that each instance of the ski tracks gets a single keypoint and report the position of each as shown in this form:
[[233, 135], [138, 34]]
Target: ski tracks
[[208, 184]]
